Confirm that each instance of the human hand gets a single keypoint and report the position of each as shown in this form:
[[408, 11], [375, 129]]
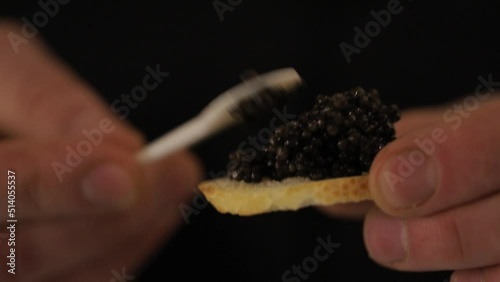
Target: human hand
[[104, 212], [411, 120], [442, 214], [437, 192]]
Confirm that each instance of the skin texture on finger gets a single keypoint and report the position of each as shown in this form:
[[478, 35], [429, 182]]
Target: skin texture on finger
[[468, 275], [485, 274], [466, 237], [45, 99], [452, 167], [417, 118], [491, 274]]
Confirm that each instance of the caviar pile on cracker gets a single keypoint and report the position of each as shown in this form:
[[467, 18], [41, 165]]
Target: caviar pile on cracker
[[338, 137]]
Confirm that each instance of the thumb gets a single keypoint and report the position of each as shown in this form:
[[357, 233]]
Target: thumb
[[447, 163]]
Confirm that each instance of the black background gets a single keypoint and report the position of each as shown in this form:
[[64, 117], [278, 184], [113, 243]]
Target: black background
[[428, 54]]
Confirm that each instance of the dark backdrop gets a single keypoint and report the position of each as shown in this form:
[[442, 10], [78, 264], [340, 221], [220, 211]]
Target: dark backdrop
[[429, 53]]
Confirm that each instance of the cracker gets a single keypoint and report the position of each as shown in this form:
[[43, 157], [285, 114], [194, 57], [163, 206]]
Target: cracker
[[290, 194]]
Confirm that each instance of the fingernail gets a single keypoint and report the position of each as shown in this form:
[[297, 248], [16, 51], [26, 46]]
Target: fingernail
[[475, 275], [390, 241], [109, 185], [408, 179]]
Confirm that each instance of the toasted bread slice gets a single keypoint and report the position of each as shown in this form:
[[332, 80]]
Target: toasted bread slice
[[246, 199]]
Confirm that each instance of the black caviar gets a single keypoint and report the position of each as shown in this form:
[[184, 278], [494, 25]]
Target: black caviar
[[338, 137]]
